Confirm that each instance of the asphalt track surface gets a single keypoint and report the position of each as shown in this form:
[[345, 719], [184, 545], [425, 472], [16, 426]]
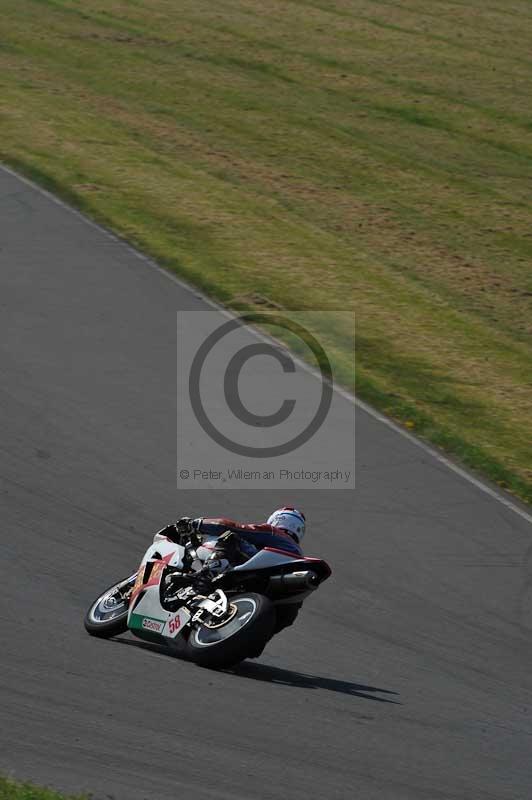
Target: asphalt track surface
[[407, 675]]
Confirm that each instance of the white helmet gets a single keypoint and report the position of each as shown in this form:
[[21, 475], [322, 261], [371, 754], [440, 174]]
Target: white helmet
[[290, 519]]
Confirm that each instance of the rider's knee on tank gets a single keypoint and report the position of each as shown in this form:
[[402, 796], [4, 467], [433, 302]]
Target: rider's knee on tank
[[216, 564], [232, 547]]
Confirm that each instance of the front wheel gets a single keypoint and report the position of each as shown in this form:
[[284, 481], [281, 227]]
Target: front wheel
[[107, 616], [244, 632]]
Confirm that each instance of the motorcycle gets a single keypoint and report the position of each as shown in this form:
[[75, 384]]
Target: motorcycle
[[219, 626]]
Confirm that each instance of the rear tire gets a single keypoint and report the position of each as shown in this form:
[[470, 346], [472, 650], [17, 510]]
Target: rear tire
[[107, 616], [286, 615], [243, 635]]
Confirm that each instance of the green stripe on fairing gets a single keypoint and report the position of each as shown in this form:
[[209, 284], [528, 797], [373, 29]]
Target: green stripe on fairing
[[135, 621]]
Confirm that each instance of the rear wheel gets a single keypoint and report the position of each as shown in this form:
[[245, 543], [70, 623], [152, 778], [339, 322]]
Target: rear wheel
[[286, 615], [245, 630], [107, 616]]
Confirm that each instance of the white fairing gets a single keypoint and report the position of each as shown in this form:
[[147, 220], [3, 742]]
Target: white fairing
[[148, 614], [163, 546], [266, 558], [203, 552]]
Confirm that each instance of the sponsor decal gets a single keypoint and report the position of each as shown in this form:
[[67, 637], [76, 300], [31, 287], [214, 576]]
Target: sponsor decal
[[154, 625]]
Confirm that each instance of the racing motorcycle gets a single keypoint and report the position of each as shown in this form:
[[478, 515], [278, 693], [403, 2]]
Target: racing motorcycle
[[216, 626]]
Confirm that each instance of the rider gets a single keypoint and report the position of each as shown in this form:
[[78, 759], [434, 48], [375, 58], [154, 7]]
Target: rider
[[227, 543]]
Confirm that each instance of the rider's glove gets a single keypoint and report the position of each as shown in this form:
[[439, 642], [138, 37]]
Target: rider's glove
[[185, 525]]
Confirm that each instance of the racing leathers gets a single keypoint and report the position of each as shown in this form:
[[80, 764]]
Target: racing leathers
[[242, 540], [226, 543]]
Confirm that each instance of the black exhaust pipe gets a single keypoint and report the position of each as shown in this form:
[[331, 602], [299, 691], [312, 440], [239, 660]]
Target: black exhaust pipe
[[295, 582]]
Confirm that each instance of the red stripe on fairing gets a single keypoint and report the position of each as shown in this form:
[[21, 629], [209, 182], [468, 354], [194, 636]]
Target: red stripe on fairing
[[283, 552], [309, 558], [157, 569], [155, 576]]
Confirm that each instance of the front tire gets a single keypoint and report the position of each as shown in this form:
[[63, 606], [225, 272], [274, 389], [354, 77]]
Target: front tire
[[245, 633], [107, 616]]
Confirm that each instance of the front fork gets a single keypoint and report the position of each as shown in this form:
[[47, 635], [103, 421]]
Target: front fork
[[125, 589]]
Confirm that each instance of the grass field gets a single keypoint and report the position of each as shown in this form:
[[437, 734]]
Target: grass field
[[13, 790], [350, 153]]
